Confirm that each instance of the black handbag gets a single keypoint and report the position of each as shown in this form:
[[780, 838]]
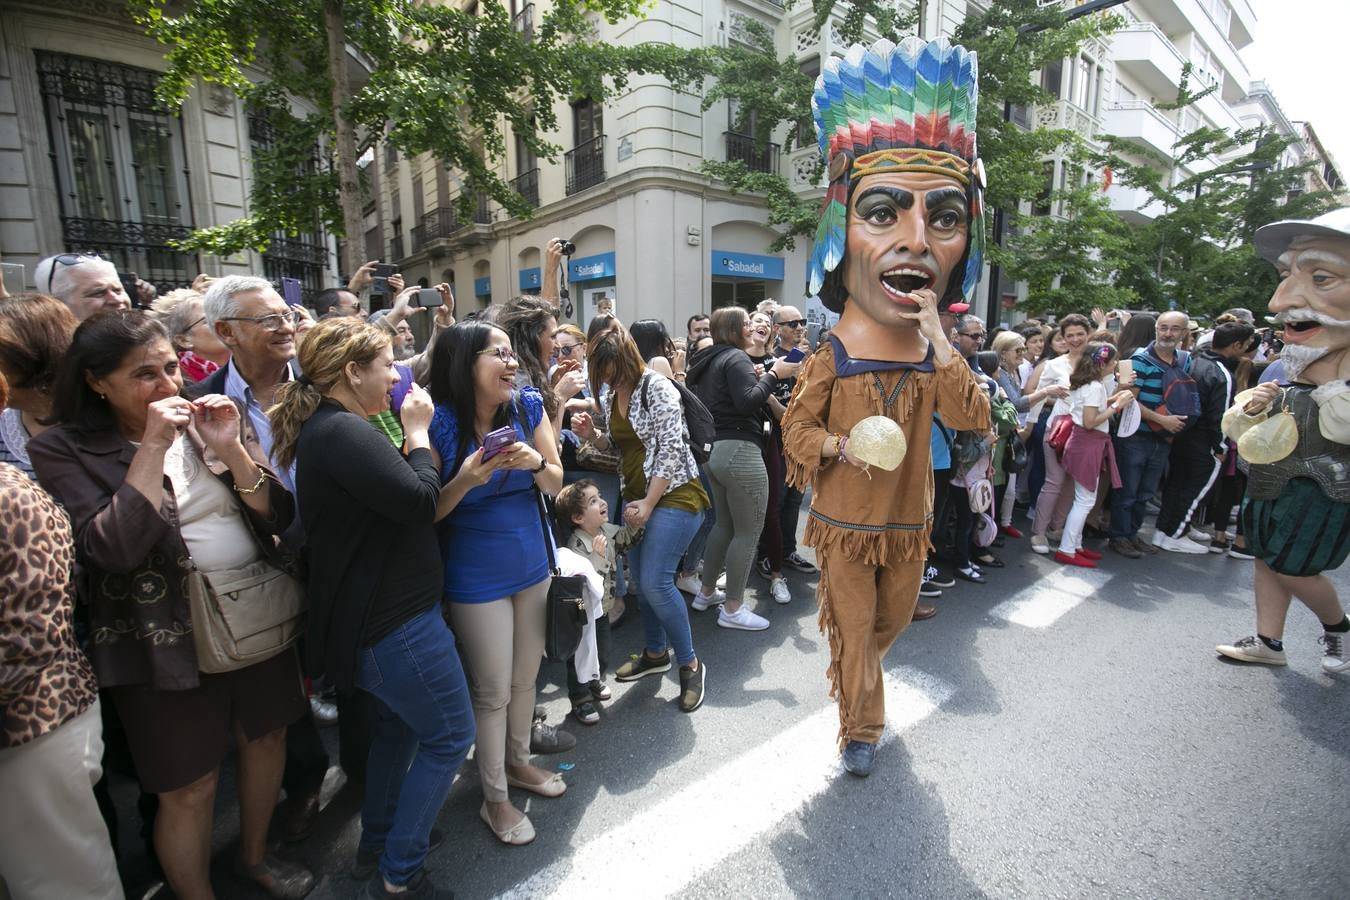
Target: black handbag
[[566, 610], [1014, 455]]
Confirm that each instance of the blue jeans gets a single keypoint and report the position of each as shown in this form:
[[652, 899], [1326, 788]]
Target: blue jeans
[[424, 730], [1141, 459], [694, 555], [665, 619]]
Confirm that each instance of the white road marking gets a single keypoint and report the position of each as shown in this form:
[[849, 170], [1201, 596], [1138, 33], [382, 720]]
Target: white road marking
[[740, 800], [1040, 605]]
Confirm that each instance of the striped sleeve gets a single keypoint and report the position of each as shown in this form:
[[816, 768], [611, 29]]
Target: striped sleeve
[[1148, 377]]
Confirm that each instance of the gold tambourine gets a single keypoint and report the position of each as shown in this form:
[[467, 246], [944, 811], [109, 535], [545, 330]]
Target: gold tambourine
[[1267, 441], [877, 441]]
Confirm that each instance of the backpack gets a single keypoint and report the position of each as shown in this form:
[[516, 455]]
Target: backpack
[[1180, 393], [702, 430]]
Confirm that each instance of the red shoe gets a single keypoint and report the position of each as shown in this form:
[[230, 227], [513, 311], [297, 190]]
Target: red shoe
[[1010, 531], [1090, 554], [1074, 560]]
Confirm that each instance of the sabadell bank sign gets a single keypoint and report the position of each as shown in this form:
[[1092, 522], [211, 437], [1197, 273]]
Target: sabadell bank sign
[[747, 265]]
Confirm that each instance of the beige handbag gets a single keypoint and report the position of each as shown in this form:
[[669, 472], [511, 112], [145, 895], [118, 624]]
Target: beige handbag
[[243, 616]]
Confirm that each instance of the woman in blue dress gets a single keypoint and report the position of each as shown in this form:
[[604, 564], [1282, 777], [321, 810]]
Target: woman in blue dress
[[496, 565]]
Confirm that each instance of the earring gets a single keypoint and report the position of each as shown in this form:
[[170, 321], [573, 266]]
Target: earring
[[102, 397]]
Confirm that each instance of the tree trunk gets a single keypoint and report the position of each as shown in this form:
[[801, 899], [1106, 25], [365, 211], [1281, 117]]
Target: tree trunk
[[349, 179]]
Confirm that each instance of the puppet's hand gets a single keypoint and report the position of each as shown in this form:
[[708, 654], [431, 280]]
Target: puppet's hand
[[930, 324]]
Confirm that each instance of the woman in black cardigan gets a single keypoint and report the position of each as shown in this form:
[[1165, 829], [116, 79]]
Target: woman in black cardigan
[[375, 586]]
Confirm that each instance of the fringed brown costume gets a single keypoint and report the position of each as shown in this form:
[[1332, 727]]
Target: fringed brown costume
[[870, 533]]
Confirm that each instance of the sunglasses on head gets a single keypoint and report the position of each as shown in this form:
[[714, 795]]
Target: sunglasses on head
[[69, 259]]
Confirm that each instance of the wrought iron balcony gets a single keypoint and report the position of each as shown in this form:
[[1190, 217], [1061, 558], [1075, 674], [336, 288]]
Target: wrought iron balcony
[[757, 156], [435, 225], [523, 22], [526, 184], [585, 165]]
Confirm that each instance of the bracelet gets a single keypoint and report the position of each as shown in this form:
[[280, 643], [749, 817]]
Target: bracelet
[[543, 464], [257, 485]]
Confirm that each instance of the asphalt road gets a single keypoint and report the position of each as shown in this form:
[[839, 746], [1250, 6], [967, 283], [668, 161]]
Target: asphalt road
[[1055, 737]]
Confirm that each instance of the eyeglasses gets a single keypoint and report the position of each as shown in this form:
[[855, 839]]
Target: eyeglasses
[[792, 323], [194, 324], [271, 322], [505, 354], [566, 349], [68, 259]]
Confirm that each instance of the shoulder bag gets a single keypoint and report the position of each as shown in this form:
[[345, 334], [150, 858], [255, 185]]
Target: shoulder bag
[[243, 616], [566, 610]]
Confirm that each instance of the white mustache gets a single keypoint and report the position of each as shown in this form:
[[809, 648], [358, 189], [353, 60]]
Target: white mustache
[[1308, 315]]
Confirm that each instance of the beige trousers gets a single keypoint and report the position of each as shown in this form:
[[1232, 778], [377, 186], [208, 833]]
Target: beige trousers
[[53, 842], [503, 644]]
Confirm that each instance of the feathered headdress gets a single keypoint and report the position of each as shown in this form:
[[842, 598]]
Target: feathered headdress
[[898, 108]]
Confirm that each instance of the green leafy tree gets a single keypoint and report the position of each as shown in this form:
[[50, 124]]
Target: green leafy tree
[[1198, 254], [439, 81]]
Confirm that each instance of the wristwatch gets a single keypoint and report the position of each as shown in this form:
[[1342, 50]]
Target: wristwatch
[[543, 464]]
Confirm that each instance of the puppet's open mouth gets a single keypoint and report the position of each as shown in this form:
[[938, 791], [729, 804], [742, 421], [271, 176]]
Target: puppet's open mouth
[[1302, 326], [907, 279]]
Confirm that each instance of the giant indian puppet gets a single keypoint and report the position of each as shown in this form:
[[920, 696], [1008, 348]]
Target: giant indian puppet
[[900, 240], [1296, 439]]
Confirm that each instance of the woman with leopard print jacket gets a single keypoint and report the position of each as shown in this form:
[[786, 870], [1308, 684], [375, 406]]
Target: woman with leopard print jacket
[[51, 734], [661, 493]]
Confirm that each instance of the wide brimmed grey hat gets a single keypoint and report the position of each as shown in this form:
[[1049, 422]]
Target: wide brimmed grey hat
[[1275, 238]]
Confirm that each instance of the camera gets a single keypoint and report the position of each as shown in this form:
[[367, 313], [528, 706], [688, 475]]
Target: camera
[[567, 247], [426, 298]]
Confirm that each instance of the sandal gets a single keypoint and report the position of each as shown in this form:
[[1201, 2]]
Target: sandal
[[517, 835], [290, 881], [972, 575], [552, 786]]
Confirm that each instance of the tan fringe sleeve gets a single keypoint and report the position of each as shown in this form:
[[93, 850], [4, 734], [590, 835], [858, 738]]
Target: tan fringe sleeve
[[804, 423], [961, 403]]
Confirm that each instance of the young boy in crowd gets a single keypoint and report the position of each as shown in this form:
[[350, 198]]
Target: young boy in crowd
[[585, 529]]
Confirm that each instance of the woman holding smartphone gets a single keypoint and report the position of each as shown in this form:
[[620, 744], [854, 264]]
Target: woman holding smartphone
[[496, 452]]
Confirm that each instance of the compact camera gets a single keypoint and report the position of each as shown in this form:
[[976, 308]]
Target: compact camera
[[568, 248]]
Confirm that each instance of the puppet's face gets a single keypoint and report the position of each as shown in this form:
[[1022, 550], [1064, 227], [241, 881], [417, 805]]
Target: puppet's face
[[1313, 299], [906, 231]]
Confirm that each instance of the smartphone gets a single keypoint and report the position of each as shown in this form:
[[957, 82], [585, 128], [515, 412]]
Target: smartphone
[[1125, 372], [379, 278], [427, 297], [497, 441], [796, 354], [11, 275], [290, 291], [1113, 324]]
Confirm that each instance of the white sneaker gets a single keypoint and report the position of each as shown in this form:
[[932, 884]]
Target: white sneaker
[[1199, 534], [1039, 544], [722, 582], [742, 619], [1336, 659], [690, 584], [1178, 545], [1253, 649], [779, 589], [701, 602]]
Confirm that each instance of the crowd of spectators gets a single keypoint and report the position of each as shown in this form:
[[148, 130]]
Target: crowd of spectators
[[417, 497]]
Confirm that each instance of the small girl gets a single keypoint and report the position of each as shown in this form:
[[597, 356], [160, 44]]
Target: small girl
[[1089, 448]]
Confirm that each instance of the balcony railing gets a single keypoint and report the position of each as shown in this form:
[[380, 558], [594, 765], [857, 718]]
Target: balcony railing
[[526, 184], [444, 222], [523, 22], [585, 165], [437, 224], [1063, 114], [757, 157]]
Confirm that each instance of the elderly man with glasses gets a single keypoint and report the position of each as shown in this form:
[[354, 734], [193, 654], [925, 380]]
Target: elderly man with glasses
[[85, 282]]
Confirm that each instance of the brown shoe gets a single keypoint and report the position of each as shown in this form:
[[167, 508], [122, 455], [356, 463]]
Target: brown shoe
[[1125, 547], [922, 612], [1145, 547]]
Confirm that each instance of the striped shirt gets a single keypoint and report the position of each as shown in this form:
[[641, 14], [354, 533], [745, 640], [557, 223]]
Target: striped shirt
[[1148, 374]]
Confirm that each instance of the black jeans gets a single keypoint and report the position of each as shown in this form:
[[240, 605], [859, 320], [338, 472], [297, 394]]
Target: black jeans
[[789, 513], [576, 691]]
